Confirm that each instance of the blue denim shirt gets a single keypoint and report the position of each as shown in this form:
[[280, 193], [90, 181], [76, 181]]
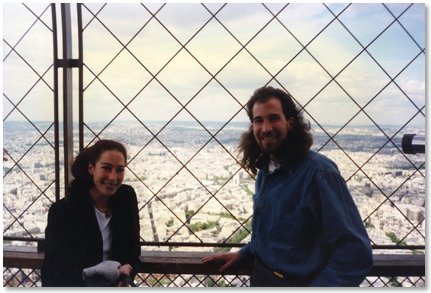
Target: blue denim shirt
[[305, 223]]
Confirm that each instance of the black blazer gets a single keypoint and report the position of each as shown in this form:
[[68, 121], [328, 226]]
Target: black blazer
[[74, 241]]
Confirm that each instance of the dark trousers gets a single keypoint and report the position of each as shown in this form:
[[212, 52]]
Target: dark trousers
[[262, 276]]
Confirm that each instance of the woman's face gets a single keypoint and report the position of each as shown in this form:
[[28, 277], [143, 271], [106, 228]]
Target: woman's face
[[108, 173]]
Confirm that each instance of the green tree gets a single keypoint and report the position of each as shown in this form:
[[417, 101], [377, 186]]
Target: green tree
[[170, 223], [395, 239]]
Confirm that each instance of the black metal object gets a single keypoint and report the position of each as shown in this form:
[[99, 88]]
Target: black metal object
[[413, 144]]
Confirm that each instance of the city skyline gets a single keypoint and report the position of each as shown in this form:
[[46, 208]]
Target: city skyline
[[388, 187]]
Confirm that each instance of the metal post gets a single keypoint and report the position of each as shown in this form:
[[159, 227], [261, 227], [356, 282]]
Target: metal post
[[81, 78], [67, 93], [56, 114]]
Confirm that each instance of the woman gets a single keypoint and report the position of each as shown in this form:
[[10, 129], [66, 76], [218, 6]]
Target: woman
[[97, 223]]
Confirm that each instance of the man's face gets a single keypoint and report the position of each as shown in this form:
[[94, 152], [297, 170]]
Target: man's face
[[270, 126]]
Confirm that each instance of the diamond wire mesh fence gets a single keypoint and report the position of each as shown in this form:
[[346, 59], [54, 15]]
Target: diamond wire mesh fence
[[28, 135], [197, 64], [170, 81]]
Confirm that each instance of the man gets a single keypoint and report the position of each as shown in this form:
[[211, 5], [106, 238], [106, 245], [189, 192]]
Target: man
[[306, 228]]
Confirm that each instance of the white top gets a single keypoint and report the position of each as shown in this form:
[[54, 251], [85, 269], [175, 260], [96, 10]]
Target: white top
[[273, 166], [104, 220]]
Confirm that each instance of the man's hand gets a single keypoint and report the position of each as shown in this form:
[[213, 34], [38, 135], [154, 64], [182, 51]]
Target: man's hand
[[229, 259]]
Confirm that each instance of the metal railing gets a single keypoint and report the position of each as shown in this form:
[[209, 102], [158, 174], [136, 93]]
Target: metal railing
[[185, 269]]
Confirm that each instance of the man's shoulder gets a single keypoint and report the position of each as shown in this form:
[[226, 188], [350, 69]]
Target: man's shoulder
[[320, 162]]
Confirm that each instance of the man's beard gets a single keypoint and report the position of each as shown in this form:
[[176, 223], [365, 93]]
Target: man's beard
[[271, 149], [276, 151]]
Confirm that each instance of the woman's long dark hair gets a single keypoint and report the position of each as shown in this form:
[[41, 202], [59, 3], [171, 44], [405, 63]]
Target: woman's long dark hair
[[82, 179], [299, 139]]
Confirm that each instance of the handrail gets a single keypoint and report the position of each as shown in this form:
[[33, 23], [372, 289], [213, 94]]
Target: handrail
[[186, 262], [41, 241]]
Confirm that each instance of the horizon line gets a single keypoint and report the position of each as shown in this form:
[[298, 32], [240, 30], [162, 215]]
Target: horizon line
[[218, 121]]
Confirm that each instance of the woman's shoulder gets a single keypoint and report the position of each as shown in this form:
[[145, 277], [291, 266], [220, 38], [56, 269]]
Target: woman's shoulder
[[126, 190], [62, 208], [61, 204], [124, 199]]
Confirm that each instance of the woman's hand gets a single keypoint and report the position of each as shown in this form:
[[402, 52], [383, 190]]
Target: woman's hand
[[124, 271]]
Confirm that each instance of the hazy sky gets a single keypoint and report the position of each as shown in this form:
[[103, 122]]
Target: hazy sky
[[217, 62]]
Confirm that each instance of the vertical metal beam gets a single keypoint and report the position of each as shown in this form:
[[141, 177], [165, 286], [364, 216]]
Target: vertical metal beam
[[67, 93], [81, 78], [56, 117]]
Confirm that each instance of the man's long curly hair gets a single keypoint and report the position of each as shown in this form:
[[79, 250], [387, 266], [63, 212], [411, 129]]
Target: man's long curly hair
[[299, 138]]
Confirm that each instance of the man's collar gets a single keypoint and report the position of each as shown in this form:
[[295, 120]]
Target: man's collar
[[263, 162]]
